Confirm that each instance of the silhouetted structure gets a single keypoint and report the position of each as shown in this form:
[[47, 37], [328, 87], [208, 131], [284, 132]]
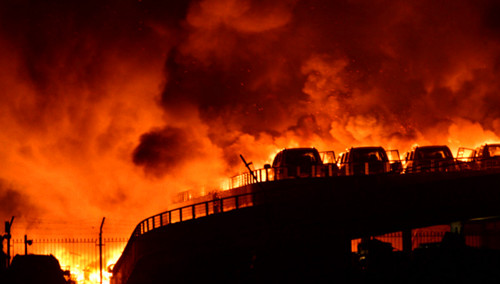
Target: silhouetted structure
[[36, 269], [300, 230]]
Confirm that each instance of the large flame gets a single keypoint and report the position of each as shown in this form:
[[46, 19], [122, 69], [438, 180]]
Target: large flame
[[110, 110]]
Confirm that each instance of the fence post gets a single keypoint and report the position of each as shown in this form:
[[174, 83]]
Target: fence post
[[194, 212], [236, 201], [221, 205], [407, 241], [180, 214]]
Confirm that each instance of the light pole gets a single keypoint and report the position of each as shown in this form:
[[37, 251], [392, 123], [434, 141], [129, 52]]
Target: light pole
[[100, 248]]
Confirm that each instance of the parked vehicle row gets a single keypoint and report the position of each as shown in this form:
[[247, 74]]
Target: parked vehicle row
[[309, 162], [486, 156]]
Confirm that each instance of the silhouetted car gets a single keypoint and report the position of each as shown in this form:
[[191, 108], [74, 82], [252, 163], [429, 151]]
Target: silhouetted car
[[430, 159], [297, 162], [363, 161], [487, 156], [40, 269]]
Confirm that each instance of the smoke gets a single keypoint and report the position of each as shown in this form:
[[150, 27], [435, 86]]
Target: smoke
[[14, 201], [113, 108], [335, 74]]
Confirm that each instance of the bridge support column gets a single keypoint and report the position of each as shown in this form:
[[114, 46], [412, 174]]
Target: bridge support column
[[407, 241]]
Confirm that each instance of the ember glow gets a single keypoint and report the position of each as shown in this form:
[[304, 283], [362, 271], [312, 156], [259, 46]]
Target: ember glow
[[111, 109]]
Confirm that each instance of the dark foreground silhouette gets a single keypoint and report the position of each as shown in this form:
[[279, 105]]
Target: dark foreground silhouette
[[31, 269]]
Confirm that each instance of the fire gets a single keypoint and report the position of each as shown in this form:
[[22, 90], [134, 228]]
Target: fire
[[85, 269], [112, 110]]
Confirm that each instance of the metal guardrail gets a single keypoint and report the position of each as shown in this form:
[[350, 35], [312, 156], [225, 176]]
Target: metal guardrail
[[363, 168], [432, 166], [280, 173], [219, 205], [194, 211], [458, 164]]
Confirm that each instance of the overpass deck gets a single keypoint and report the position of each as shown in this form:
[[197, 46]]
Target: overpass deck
[[315, 217]]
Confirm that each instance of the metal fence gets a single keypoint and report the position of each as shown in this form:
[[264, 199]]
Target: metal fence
[[280, 173], [78, 255], [274, 174], [194, 211], [420, 239], [365, 168]]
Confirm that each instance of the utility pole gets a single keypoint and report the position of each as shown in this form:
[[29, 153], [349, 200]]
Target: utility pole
[[8, 226], [100, 248]]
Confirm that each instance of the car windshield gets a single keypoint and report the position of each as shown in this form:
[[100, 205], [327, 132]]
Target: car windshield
[[302, 158], [393, 155], [434, 153], [368, 155], [494, 150]]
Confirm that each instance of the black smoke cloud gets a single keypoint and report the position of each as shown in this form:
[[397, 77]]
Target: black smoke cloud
[[13, 202], [165, 150]]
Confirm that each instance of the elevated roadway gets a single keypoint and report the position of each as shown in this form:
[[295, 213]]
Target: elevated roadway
[[297, 230]]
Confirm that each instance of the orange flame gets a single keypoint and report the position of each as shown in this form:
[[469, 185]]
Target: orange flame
[[116, 115]]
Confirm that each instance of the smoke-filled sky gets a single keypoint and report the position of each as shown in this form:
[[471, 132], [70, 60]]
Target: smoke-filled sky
[[110, 108]]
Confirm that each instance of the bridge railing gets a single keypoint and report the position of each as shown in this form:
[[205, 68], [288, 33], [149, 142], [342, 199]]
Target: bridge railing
[[273, 174], [432, 166], [190, 212], [280, 173], [484, 163], [458, 164], [364, 168]]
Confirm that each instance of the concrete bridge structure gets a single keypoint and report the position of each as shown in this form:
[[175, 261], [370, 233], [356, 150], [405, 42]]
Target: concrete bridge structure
[[297, 230]]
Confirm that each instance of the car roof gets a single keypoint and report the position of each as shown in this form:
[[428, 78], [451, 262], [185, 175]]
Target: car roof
[[304, 149], [432, 147], [493, 144], [367, 148]]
